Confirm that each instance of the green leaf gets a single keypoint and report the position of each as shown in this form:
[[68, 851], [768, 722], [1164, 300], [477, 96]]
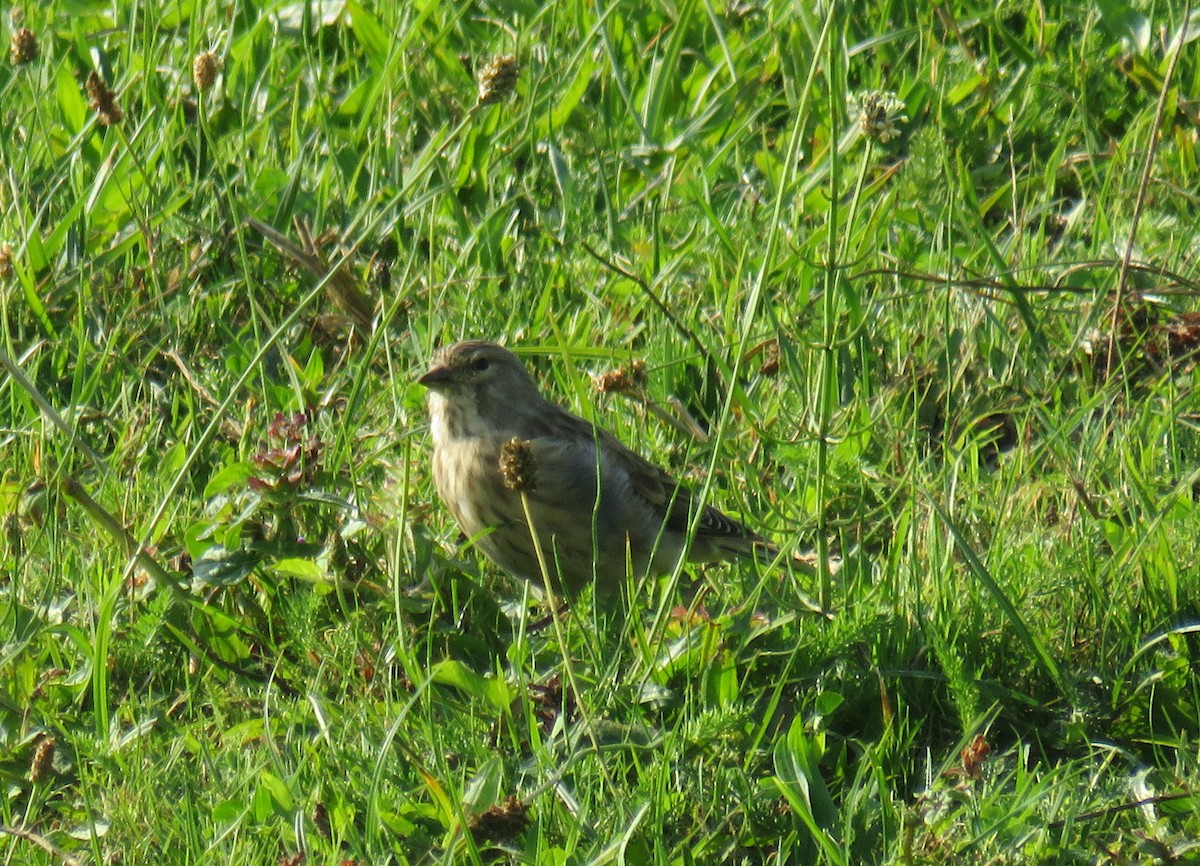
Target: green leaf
[[282, 803], [484, 788], [798, 778], [235, 474], [228, 812], [827, 702], [218, 633], [218, 566], [302, 569], [490, 689], [961, 91], [90, 829], [70, 99]]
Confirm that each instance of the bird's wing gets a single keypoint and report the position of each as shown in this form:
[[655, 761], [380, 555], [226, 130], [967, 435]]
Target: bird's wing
[[671, 500], [674, 499]]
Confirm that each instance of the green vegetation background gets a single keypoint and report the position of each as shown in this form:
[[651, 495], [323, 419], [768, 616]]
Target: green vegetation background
[[949, 349]]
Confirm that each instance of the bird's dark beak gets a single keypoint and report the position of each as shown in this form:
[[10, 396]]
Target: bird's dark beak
[[435, 376]]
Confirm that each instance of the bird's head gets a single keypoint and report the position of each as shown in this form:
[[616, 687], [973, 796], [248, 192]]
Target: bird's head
[[477, 380]]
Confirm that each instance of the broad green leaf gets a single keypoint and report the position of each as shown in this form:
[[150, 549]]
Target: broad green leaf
[[282, 802], [234, 474], [303, 569], [484, 788], [221, 567], [490, 689]]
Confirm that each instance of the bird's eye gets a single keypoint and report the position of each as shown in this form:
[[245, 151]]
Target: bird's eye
[[478, 365]]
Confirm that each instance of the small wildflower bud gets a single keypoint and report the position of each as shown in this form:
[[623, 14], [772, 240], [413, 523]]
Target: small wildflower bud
[[204, 70], [498, 78], [517, 466], [43, 758], [6, 257], [877, 112], [623, 380], [23, 48], [104, 101]]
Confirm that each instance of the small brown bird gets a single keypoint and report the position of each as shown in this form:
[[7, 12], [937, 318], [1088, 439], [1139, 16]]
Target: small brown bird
[[601, 512]]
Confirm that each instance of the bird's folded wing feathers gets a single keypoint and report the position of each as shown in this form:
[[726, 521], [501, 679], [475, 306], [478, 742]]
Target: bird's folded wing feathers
[[672, 499], [566, 453]]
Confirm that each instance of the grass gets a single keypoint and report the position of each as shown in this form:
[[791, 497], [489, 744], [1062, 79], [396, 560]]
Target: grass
[[951, 352]]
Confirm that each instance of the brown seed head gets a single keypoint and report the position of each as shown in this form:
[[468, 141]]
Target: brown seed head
[[104, 101], [877, 112], [498, 79], [623, 380], [501, 823], [23, 48], [204, 70], [517, 465], [320, 819], [6, 257], [43, 758]]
